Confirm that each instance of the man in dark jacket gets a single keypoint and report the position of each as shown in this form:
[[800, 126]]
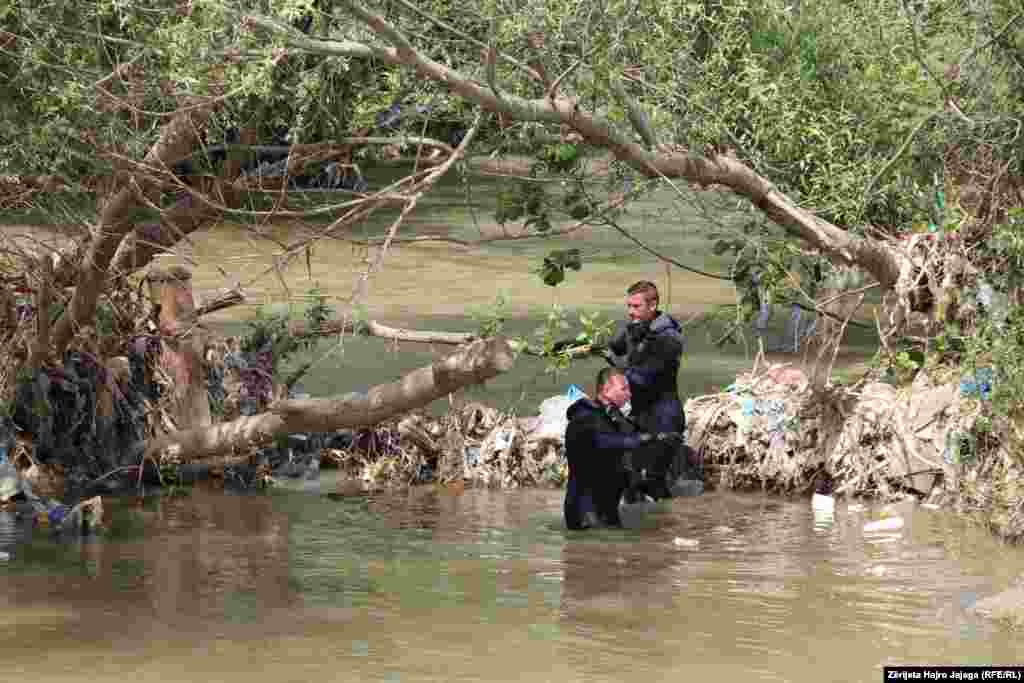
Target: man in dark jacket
[[648, 348], [599, 443]]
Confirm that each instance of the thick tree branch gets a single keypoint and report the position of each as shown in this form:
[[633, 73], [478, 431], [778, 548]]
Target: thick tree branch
[[471, 364], [838, 244], [176, 141]]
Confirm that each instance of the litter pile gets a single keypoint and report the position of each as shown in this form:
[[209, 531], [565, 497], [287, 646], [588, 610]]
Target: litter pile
[[474, 445], [769, 430], [17, 492]]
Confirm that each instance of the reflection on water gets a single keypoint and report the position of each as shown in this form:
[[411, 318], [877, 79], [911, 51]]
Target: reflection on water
[[486, 585]]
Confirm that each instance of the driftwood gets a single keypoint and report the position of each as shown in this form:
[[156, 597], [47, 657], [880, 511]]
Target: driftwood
[[232, 297], [471, 364]]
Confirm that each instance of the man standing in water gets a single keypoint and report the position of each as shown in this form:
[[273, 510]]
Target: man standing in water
[[599, 445], [648, 347]]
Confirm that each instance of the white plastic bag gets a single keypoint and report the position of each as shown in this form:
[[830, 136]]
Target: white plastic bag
[[553, 419]]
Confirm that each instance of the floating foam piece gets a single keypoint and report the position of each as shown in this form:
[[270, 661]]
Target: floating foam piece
[[890, 524], [820, 502]]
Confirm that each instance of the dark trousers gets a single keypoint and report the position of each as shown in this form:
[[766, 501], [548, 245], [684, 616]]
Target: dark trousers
[[664, 462], [597, 502]]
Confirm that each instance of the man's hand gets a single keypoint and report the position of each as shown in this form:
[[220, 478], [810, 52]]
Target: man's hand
[[638, 330]]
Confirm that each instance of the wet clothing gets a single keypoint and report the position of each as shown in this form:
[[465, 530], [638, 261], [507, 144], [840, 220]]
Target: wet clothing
[[597, 440], [649, 354]]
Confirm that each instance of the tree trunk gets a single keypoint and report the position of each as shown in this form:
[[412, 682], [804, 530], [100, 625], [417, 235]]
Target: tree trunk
[[183, 342], [176, 141], [471, 364]]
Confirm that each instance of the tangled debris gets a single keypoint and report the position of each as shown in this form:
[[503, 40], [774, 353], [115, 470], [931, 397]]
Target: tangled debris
[[772, 431], [474, 445], [17, 492]]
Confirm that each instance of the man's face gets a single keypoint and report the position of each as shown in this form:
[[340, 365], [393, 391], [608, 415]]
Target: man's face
[[639, 309], [615, 391]]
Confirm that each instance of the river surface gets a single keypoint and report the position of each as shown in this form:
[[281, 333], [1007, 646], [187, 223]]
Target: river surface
[[311, 585]]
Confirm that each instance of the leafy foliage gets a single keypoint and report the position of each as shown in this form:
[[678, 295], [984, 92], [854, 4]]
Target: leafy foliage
[[490, 320], [270, 342], [552, 271]]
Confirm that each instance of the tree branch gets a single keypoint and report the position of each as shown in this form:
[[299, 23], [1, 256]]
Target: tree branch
[[175, 142], [465, 36], [838, 244], [661, 257], [471, 364]]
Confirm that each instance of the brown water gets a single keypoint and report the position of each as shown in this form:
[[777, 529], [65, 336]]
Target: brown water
[[485, 585]]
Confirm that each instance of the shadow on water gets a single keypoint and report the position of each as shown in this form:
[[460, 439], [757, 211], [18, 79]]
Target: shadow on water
[[488, 585]]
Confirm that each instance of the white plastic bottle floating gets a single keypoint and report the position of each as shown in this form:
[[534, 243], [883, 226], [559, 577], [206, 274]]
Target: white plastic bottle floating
[[820, 502], [823, 517], [681, 542], [889, 524]]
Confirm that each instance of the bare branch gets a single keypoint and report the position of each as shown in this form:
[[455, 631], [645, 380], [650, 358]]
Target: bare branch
[[44, 299], [425, 185], [465, 36], [176, 139], [661, 257], [553, 88], [471, 364]]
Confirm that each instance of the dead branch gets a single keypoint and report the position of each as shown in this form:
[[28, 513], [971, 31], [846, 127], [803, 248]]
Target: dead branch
[[223, 300], [176, 140], [471, 364], [44, 298]]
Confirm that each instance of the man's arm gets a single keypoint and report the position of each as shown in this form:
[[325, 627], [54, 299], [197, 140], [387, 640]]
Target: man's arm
[[605, 440], [662, 352], [617, 343], [617, 441]]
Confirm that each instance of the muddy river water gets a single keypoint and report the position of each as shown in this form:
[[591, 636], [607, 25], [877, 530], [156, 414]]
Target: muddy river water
[[309, 585]]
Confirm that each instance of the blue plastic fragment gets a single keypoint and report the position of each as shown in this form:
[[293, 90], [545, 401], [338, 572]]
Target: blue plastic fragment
[[978, 383], [56, 513], [575, 393], [748, 406]]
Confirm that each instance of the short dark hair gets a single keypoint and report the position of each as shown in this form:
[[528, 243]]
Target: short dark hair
[[645, 287], [604, 375]]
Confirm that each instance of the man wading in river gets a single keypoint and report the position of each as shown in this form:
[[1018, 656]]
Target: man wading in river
[[601, 445], [648, 348]]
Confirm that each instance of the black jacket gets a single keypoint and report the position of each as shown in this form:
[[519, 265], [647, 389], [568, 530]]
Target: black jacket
[[650, 357], [596, 440]]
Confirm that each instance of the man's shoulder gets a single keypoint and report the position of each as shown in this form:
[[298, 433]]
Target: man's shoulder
[[583, 408], [667, 327], [665, 324]]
